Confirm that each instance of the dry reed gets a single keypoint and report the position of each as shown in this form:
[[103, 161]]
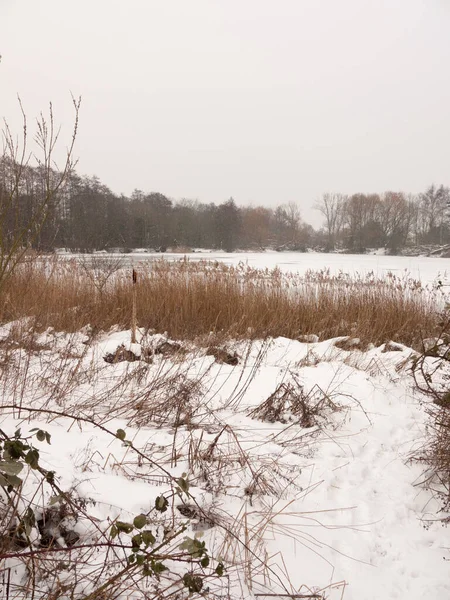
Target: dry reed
[[189, 300]]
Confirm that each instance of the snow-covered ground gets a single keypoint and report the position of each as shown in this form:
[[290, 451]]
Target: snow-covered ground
[[313, 485], [426, 269]]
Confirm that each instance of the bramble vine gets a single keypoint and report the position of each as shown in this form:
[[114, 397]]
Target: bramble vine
[[147, 544]]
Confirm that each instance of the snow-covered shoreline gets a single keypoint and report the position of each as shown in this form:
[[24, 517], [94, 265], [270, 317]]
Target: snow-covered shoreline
[[328, 503]]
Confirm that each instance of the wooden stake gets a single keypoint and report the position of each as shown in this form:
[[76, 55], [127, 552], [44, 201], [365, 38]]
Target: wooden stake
[[133, 313]]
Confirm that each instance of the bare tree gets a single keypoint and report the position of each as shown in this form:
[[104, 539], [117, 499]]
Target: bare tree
[[395, 217], [22, 221], [293, 218], [332, 208], [434, 204], [256, 226]]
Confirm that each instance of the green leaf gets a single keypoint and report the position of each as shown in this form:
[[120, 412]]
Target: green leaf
[[194, 583], [32, 458], [148, 538], [194, 547], [140, 521], [161, 503], [10, 481], [40, 435], [120, 433], [48, 437], [15, 449], [55, 499], [140, 559], [30, 517], [124, 527], [158, 568], [188, 544], [11, 467], [113, 533], [220, 569], [29, 520], [136, 542], [183, 484], [205, 562]]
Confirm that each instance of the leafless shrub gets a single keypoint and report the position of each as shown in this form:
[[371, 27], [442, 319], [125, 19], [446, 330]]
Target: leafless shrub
[[431, 370], [100, 270], [19, 230], [290, 402], [171, 401]]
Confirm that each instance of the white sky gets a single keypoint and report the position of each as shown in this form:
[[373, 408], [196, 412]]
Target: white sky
[[267, 101]]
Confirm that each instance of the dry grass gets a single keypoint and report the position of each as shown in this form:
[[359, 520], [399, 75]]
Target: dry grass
[[189, 300], [439, 452], [168, 394], [431, 372], [290, 402], [434, 455]]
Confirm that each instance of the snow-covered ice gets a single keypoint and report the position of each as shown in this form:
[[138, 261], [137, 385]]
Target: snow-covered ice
[[426, 269]]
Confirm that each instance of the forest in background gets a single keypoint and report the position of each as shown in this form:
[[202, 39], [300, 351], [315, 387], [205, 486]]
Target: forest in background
[[85, 215]]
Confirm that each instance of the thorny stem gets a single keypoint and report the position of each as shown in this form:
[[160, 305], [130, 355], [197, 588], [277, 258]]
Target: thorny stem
[[228, 530]]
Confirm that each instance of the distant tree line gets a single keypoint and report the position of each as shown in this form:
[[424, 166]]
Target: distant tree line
[[85, 215], [391, 220]]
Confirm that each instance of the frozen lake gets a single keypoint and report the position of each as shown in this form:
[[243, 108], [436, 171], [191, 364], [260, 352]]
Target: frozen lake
[[426, 269]]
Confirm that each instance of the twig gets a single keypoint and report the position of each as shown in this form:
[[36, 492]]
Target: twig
[[288, 596]]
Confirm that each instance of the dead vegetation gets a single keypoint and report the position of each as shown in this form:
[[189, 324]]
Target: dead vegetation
[[350, 344], [122, 354], [164, 395], [166, 390], [222, 355], [192, 300], [431, 370], [289, 402]]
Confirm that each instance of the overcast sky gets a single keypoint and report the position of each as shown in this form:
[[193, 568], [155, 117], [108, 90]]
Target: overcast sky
[[268, 101]]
